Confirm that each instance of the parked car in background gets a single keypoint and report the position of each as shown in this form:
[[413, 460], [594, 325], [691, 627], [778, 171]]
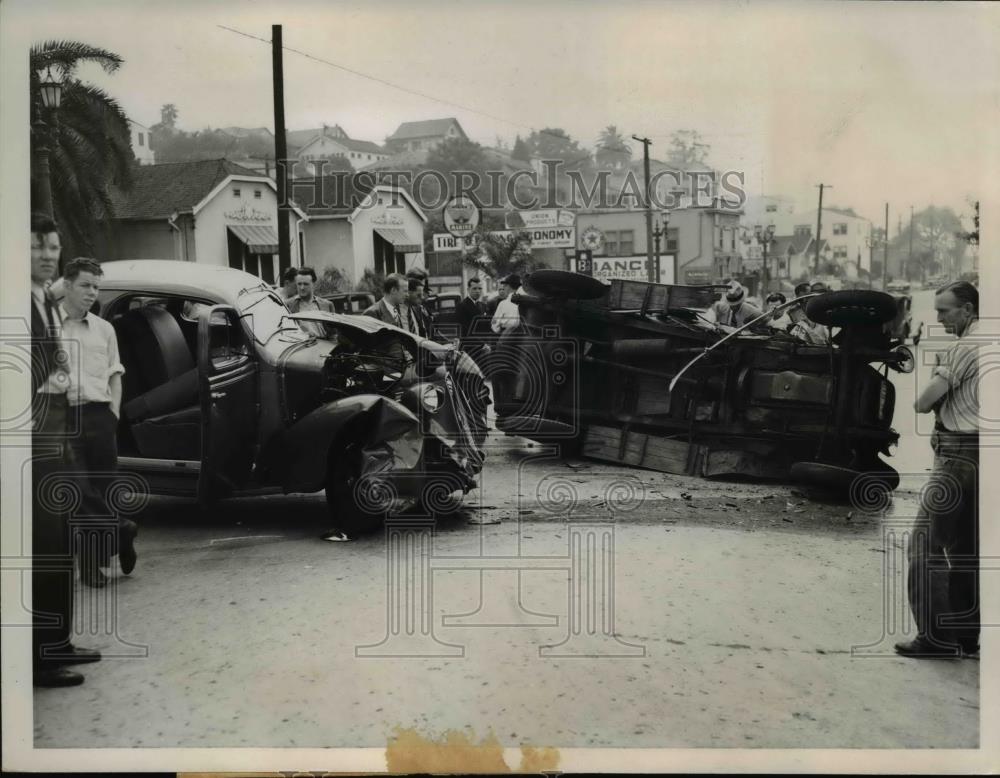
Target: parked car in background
[[351, 302], [901, 326], [899, 285], [443, 309], [224, 394]]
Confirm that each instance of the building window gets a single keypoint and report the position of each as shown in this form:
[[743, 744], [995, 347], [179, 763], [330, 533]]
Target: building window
[[256, 194], [626, 241], [671, 247], [802, 229], [236, 192], [772, 208], [840, 252], [840, 228], [141, 139], [611, 243]]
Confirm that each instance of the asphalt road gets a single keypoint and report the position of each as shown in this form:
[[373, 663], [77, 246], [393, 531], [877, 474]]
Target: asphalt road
[[678, 612]]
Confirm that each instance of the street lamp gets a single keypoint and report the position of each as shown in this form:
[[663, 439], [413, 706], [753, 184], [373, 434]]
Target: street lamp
[[873, 243], [765, 236], [662, 222], [50, 92]]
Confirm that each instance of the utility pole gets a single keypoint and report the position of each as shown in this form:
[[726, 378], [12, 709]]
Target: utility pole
[[909, 262], [885, 249], [650, 270], [280, 152], [819, 224]]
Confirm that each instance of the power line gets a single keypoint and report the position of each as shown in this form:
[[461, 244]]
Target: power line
[[415, 92]]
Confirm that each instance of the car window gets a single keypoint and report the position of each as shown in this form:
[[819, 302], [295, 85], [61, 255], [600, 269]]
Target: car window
[[227, 344]]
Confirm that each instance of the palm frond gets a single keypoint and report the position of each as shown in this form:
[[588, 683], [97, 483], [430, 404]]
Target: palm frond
[[68, 54]]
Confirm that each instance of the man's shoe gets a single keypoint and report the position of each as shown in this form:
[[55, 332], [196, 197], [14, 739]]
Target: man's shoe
[[52, 677], [920, 648], [93, 577], [76, 656], [969, 649], [126, 547]]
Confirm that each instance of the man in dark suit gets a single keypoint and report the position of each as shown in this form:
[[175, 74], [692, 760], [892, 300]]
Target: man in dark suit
[[472, 309], [417, 318], [387, 309], [52, 558]]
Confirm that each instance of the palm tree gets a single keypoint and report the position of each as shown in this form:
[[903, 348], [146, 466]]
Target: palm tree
[[89, 141], [612, 151]]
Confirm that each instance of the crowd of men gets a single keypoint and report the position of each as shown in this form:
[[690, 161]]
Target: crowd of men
[[76, 384]]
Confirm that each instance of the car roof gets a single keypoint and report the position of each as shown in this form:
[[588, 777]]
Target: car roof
[[169, 276]]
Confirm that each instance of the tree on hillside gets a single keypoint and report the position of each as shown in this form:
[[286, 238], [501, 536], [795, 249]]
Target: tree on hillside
[[457, 155], [612, 150], [521, 151], [934, 246], [687, 149], [89, 141]]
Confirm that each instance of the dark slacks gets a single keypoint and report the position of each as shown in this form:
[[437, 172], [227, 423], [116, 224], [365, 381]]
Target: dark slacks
[[52, 558], [943, 576], [94, 454]]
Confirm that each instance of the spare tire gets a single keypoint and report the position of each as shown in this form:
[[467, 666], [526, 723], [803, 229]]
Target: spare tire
[[864, 489], [564, 284], [852, 307]]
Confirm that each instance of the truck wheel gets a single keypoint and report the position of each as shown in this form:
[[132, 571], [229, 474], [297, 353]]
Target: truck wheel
[[850, 307], [357, 505]]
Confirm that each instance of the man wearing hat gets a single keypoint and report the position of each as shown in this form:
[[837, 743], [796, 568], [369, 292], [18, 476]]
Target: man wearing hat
[[507, 314], [733, 310]]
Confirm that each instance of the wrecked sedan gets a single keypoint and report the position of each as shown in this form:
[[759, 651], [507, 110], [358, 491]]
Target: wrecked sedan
[[225, 394], [636, 373]]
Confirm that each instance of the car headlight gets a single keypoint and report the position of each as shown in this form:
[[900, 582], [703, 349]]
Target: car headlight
[[430, 398]]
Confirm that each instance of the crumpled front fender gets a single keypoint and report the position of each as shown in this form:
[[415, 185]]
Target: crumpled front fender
[[370, 419]]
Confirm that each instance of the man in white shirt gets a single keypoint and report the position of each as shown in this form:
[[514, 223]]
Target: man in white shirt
[[306, 300], [943, 576], [507, 315], [94, 396]]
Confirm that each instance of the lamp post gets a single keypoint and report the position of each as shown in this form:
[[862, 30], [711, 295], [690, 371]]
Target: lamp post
[[873, 243], [50, 92], [662, 221], [764, 236]]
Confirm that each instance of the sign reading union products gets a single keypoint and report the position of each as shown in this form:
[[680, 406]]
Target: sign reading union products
[[461, 217]]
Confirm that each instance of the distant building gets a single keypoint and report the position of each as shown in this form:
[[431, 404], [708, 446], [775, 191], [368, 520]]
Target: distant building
[[212, 212], [311, 147], [848, 235], [380, 229], [423, 135], [792, 258], [767, 209], [141, 147]]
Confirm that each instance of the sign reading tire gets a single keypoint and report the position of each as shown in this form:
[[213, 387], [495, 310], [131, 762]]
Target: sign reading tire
[[461, 216]]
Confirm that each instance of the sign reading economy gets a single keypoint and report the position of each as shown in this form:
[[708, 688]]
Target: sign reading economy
[[552, 237]]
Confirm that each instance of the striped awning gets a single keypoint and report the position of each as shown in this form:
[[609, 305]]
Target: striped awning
[[260, 240], [400, 241]]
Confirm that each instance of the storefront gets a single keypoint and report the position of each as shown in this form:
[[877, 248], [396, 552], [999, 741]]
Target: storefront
[[213, 212], [383, 233]]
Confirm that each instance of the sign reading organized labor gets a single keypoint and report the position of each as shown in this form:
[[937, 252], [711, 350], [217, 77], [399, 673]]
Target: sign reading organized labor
[[627, 268], [461, 216]]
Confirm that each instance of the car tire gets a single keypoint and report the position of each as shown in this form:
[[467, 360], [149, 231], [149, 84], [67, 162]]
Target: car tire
[[353, 506], [565, 284], [851, 307]]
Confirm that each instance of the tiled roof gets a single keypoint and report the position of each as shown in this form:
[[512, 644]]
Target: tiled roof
[[160, 190], [329, 195], [296, 139], [429, 128], [360, 145]]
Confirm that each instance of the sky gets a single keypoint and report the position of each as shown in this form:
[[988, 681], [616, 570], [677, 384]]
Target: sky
[[885, 102]]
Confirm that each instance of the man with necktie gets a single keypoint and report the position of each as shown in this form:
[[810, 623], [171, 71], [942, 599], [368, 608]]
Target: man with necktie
[[418, 321], [52, 558], [471, 309]]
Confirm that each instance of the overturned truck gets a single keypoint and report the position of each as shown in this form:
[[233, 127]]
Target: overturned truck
[[635, 373]]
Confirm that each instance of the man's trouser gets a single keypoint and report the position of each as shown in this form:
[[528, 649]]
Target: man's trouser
[[94, 454], [52, 558], [943, 578]]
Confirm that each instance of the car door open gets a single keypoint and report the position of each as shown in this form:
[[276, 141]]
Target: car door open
[[229, 398]]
